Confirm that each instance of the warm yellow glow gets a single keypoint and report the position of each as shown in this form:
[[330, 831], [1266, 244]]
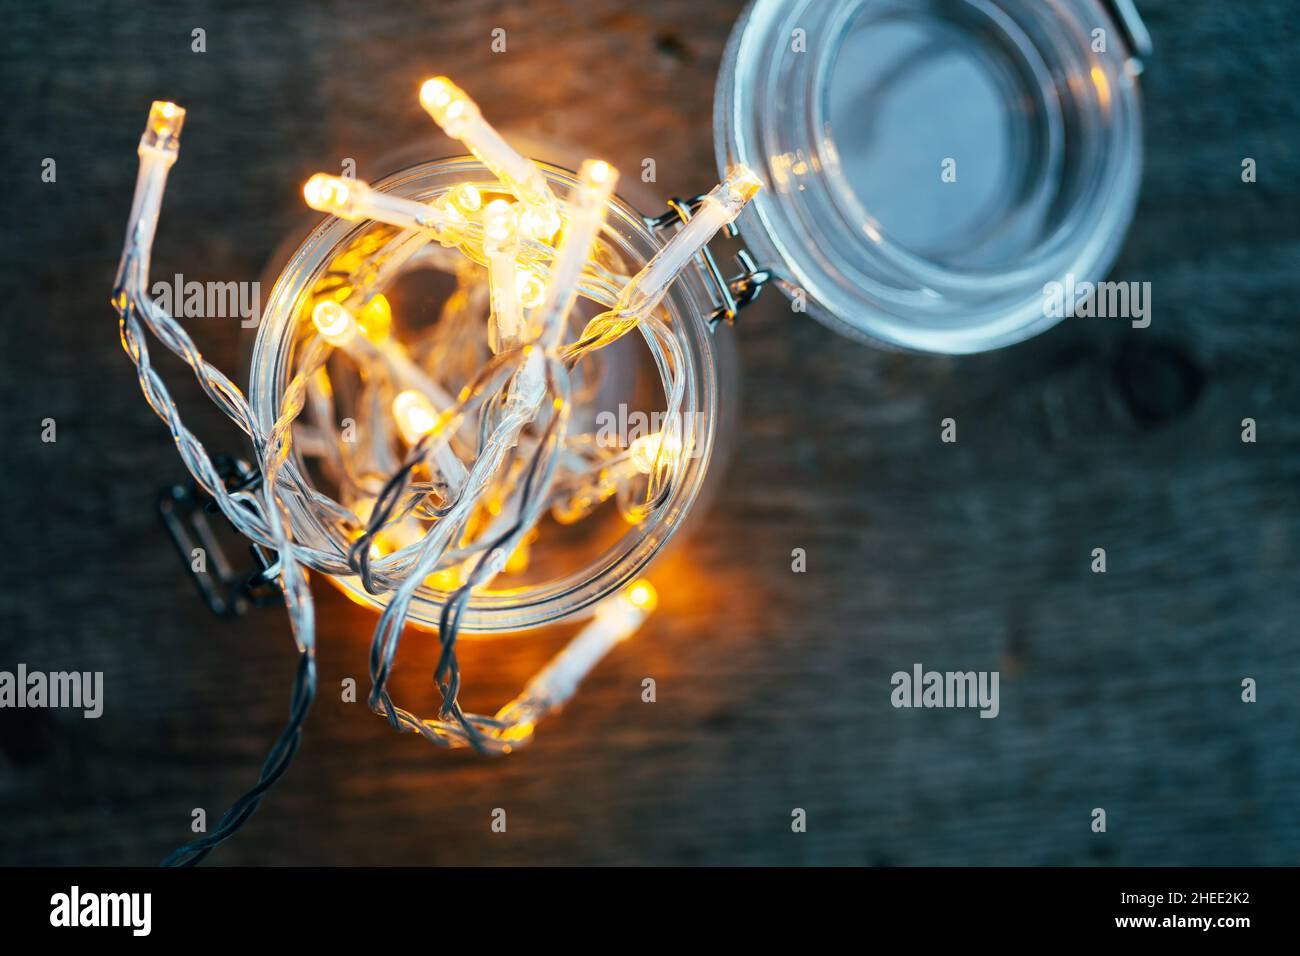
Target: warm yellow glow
[[653, 450], [163, 129], [401, 535], [743, 181], [164, 116], [498, 222], [531, 289], [376, 318], [517, 563], [436, 93], [460, 118], [445, 102], [414, 414], [326, 193], [1103, 86], [447, 579], [363, 508], [642, 596], [466, 197], [540, 223], [596, 179], [334, 323], [458, 205]]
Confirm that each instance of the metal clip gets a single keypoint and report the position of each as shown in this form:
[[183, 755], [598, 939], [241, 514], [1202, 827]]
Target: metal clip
[[729, 296], [185, 511], [1139, 37]]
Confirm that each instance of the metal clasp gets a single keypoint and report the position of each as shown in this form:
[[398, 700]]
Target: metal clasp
[[729, 295], [1139, 37], [185, 512]]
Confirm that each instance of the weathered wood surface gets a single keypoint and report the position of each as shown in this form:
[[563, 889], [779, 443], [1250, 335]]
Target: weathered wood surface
[[1119, 690]]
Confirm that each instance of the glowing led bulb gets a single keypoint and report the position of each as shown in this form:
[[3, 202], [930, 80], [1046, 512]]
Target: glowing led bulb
[[596, 179], [599, 172], [540, 222], [498, 225], [376, 318], [458, 205], [334, 323], [330, 194], [163, 130], [447, 104], [656, 449], [616, 619], [645, 290], [465, 197], [501, 246], [459, 117], [353, 199], [415, 415], [719, 209], [625, 612], [741, 185], [531, 289], [159, 148], [642, 596]]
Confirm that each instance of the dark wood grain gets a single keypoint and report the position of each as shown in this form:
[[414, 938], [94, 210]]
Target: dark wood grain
[[1119, 690]]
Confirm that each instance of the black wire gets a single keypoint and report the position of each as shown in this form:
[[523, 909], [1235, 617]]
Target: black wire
[[449, 620], [277, 762]]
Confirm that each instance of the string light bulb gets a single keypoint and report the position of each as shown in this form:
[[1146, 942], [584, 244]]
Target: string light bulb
[[719, 208], [596, 179], [465, 197], [644, 291], [354, 200], [460, 118], [501, 247], [375, 320], [163, 130], [643, 596], [531, 289], [654, 450], [616, 619], [415, 416], [334, 323]]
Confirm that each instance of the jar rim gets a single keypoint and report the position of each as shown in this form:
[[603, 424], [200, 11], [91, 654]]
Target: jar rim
[[526, 607], [807, 227]]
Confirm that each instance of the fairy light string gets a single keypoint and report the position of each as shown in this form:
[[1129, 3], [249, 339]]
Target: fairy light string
[[446, 490]]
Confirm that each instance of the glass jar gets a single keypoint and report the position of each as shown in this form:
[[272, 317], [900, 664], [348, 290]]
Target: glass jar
[[586, 566], [932, 164]]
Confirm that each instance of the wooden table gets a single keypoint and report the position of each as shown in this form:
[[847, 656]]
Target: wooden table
[[1119, 690]]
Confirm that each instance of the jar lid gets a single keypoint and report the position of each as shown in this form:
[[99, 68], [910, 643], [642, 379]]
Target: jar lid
[[931, 165]]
